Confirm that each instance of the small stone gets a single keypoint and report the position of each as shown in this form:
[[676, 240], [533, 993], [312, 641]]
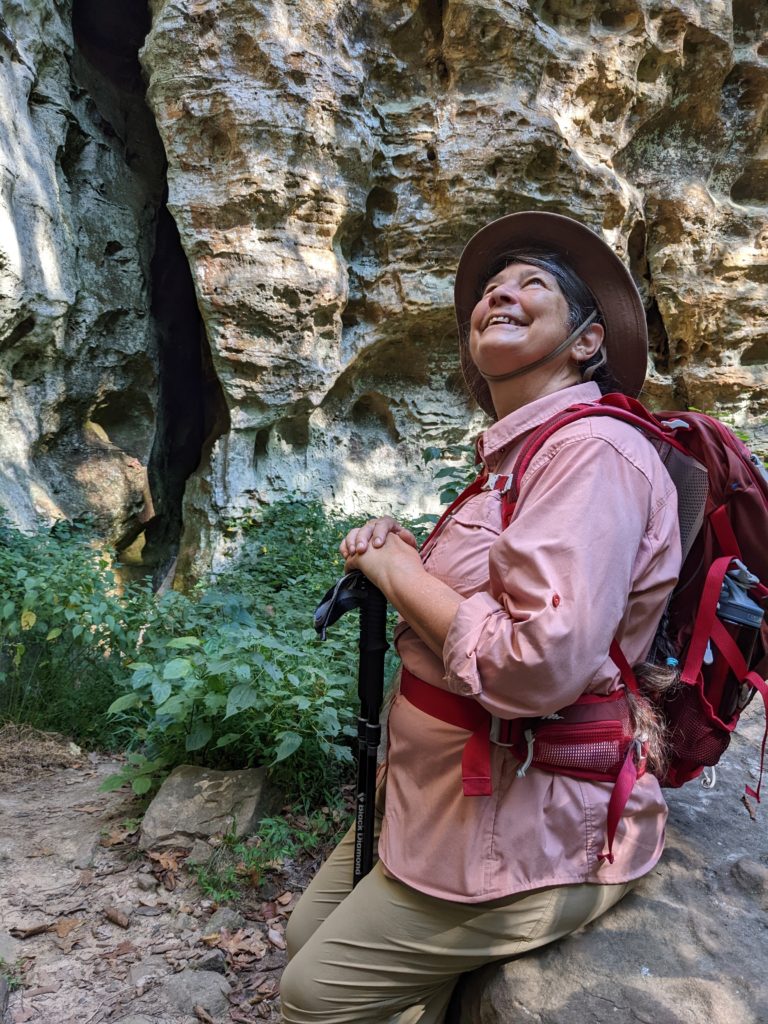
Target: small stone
[[85, 853], [147, 883], [215, 960], [189, 988], [200, 853], [4, 993], [750, 875], [147, 970], [224, 917], [182, 923]]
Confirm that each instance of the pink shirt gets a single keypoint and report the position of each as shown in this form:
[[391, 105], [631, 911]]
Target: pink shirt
[[591, 553]]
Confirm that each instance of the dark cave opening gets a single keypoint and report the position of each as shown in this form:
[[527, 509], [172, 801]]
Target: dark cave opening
[[191, 411]]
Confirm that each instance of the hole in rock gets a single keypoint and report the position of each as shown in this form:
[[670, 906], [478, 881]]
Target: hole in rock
[[261, 444], [757, 353], [373, 410], [20, 331], [294, 430]]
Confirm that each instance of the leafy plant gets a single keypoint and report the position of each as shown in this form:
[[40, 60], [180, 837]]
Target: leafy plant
[[65, 632], [235, 675], [458, 474], [238, 863], [13, 973]]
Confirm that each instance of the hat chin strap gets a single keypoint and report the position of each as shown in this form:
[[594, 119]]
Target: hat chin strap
[[544, 359]]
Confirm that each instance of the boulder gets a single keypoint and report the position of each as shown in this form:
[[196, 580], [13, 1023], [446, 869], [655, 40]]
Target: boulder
[[190, 988], [195, 803], [687, 946]]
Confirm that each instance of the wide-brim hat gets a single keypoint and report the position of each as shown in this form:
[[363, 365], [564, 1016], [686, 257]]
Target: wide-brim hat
[[598, 266]]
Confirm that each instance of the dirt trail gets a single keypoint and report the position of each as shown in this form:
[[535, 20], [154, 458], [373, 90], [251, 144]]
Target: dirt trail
[[107, 927]]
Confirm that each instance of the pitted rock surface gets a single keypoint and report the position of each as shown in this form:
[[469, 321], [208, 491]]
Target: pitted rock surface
[[326, 163]]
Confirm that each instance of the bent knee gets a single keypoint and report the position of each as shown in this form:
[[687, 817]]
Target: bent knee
[[302, 924], [298, 995]]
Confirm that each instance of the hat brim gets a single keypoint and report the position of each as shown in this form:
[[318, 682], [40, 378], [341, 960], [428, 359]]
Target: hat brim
[[601, 270]]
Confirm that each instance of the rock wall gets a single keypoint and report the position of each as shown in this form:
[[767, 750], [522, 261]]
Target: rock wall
[[77, 343], [326, 162]]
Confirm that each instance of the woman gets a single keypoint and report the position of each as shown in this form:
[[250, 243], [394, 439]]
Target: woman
[[483, 856]]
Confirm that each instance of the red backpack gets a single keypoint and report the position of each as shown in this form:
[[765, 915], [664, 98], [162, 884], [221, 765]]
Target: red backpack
[[715, 617]]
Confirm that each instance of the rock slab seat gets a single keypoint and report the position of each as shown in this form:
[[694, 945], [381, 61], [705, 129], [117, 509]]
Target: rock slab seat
[[686, 946]]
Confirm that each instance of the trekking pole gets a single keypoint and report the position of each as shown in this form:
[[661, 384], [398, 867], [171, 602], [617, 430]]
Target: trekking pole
[[355, 591]]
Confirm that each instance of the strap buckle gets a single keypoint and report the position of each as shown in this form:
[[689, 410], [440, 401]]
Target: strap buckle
[[501, 482]]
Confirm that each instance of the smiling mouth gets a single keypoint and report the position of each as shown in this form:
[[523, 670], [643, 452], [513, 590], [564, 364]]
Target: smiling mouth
[[502, 318]]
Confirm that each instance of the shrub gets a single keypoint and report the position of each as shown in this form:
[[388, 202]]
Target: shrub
[[65, 634], [235, 674]]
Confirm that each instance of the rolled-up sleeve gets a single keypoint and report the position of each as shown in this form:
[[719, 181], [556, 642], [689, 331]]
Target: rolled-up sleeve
[[560, 576]]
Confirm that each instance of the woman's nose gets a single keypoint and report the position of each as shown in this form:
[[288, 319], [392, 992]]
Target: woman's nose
[[502, 293]]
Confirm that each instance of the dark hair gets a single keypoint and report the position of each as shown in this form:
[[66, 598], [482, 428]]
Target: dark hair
[[581, 302]]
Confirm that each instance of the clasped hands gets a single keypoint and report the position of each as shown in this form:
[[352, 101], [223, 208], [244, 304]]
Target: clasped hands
[[383, 550]]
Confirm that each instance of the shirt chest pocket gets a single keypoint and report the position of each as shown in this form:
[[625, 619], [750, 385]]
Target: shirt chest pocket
[[460, 554]]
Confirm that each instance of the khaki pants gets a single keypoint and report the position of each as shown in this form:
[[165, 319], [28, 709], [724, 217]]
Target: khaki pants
[[384, 953]]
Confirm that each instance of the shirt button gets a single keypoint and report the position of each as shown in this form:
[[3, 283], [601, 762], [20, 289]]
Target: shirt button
[[555, 600]]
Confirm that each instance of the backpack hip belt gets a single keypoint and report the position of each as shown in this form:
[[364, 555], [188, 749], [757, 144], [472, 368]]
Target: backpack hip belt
[[591, 739]]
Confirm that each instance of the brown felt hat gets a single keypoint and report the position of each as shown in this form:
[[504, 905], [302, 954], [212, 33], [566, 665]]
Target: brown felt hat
[[598, 266]]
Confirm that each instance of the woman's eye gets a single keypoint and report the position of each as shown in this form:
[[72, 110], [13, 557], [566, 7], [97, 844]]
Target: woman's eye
[[534, 280]]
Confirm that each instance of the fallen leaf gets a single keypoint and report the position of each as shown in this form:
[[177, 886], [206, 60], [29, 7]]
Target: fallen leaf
[[285, 898], [117, 916], [67, 924], [242, 941], [276, 938], [86, 877], [749, 807], [122, 949], [42, 990], [202, 1014], [27, 931], [148, 911], [88, 809]]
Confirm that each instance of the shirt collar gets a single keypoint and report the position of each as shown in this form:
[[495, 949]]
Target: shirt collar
[[505, 432]]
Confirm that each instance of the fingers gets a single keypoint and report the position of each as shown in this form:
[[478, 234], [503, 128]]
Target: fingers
[[407, 536], [373, 532]]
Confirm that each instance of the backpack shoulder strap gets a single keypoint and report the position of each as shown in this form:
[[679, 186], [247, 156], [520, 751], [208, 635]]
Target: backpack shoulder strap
[[617, 406]]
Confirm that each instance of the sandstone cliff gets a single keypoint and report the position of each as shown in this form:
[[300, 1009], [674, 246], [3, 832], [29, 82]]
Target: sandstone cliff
[[325, 164]]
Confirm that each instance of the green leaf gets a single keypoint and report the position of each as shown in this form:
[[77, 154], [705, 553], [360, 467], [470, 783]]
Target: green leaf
[[161, 691], [431, 453], [289, 744], [241, 697], [128, 700], [176, 706], [177, 668], [198, 735], [141, 785], [181, 642], [28, 619], [53, 634], [112, 782], [230, 737]]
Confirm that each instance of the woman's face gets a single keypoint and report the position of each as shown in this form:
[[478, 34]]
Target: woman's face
[[520, 318]]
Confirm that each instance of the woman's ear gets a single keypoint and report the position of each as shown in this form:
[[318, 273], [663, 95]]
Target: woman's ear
[[588, 343]]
